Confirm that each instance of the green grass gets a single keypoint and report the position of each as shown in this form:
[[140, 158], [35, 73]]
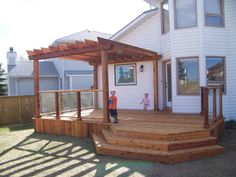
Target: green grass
[[16, 127]]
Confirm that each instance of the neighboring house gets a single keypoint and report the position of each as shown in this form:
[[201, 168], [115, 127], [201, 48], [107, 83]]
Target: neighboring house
[[76, 74], [21, 76], [193, 37], [54, 74]]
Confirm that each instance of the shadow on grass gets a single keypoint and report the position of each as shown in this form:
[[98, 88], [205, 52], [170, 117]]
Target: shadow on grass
[[48, 155]]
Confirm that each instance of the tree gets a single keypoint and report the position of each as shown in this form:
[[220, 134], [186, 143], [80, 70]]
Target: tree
[[3, 79]]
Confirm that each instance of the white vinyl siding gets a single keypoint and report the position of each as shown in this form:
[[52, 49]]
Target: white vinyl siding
[[146, 35], [130, 96]]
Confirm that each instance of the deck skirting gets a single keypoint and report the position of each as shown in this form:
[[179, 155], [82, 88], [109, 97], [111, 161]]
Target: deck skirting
[[83, 129]]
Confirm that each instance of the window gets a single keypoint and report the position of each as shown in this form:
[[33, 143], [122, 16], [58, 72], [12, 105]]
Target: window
[[215, 70], [214, 15], [185, 13], [188, 76], [165, 16]]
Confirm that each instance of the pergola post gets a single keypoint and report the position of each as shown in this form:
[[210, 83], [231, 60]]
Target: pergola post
[[105, 87], [36, 88], [95, 83], [155, 84]]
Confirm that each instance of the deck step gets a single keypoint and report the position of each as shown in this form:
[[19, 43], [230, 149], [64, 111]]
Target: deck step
[[160, 145], [159, 134], [102, 147]]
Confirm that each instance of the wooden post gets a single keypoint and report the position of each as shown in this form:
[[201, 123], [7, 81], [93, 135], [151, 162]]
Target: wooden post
[[36, 88], [214, 105], [95, 82], [61, 107], [79, 106], [206, 117], [202, 101], [57, 105], [221, 102], [155, 84], [105, 87]]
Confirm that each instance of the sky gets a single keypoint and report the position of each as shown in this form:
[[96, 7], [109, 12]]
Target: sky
[[31, 24]]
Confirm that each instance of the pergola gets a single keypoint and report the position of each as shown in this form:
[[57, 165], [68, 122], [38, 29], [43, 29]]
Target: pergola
[[101, 52]]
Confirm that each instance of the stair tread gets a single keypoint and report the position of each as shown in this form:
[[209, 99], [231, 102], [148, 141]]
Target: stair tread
[[99, 142], [111, 136], [156, 130]]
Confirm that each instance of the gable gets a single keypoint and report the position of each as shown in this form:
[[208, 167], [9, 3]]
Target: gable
[[146, 34]]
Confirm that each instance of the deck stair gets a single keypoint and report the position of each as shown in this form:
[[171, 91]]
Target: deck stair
[[162, 144]]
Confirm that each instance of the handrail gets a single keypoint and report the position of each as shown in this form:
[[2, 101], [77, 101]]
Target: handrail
[[205, 101], [65, 91]]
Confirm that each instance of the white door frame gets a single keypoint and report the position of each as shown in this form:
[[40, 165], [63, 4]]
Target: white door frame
[[168, 85]]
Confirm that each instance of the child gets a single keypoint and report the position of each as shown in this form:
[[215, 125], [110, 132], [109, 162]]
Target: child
[[113, 106], [145, 101]]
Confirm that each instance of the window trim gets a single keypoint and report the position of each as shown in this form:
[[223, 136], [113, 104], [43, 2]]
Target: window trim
[[224, 60], [162, 17], [175, 17], [222, 15], [177, 75]]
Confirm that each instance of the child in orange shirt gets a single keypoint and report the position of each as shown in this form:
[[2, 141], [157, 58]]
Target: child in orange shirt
[[113, 106]]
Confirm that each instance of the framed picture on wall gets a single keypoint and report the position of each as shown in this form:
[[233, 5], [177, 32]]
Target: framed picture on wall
[[125, 74]]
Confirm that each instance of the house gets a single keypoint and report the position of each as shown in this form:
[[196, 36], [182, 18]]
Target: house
[[193, 37], [54, 74], [176, 52]]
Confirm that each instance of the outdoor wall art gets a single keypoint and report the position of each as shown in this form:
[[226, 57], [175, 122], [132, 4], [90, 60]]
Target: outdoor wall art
[[125, 74]]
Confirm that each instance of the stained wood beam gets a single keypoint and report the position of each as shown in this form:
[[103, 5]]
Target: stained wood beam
[[105, 87], [79, 106], [155, 84], [123, 60], [206, 111], [57, 105], [125, 46], [57, 53], [221, 103], [36, 88], [214, 105], [95, 83]]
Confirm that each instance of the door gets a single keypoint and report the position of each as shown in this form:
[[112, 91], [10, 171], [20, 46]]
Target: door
[[168, 85]]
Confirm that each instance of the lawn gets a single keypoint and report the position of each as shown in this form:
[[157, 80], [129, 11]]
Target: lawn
[[25, 153]]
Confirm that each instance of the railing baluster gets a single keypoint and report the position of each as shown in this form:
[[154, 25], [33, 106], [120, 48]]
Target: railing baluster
[[206, 117], [79, 106], [214, 105], [57, 106]]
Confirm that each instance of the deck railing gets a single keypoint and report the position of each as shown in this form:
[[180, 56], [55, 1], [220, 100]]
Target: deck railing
[[209, 95], [57, 102]]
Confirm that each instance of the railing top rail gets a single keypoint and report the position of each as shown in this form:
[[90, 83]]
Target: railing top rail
[[213, 86], [66, 91]]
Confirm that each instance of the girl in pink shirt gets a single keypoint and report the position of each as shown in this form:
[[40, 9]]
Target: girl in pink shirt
[[145, 101]]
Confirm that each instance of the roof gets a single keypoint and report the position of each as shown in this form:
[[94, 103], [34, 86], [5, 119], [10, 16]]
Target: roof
[[78, 72], [26, 69], [134, 23], [90, 51], [81, 36]]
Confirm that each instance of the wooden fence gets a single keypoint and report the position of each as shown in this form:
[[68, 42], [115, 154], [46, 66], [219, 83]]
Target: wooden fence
[[16, 109]]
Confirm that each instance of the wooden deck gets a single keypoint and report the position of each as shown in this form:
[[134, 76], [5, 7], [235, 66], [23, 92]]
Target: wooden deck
[[156, 136]]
